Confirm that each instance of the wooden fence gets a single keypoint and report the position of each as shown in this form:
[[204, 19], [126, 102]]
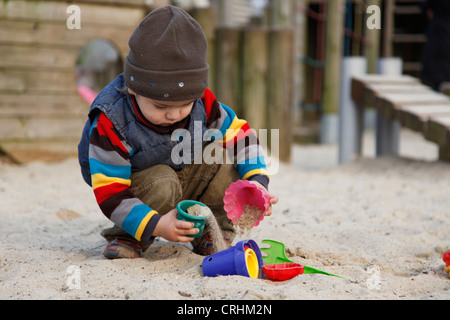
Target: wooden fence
[[252, 71]]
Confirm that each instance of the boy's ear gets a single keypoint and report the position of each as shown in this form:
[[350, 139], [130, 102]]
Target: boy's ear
[[131, 92]]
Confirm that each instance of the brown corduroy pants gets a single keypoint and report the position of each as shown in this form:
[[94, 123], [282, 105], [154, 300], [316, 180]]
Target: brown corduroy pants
[[161, 188]]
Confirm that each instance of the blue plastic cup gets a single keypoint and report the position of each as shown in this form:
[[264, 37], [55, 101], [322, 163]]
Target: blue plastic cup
[[244, 259], [199, 222]]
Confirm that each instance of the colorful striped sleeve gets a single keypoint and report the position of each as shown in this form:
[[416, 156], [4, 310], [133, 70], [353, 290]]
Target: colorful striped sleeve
[[239, 139], [109, 160]]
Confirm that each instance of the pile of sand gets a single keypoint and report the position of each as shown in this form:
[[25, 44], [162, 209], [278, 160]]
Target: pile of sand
[[383, 224]]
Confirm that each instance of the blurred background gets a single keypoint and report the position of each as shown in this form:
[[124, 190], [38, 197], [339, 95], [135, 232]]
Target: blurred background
[[276, 62]]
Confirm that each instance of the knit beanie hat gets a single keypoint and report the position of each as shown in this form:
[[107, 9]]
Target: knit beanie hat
[[167, 60]]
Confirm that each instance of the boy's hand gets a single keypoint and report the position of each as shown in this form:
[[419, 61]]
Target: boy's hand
[[174, 230], [273, 198]]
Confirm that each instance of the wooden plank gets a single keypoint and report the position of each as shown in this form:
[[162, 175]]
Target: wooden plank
[[409, 38], [56, 11], [360, 82], [48, 150], [38, 58], [415, 117], [16, 128], [143, 4], [38, 105], [387, 103], [35, 82], [43, 34], [385, 79], [372, 90]]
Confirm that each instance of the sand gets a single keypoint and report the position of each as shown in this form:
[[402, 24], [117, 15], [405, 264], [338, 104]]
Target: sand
[[381, 223], [249, 217], [211, 226]]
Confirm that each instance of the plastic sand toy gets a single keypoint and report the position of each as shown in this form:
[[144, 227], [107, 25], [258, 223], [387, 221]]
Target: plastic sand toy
[[199, 220], [244, 259], [276, 255], [244, 196], [283, 271], [446, 258]]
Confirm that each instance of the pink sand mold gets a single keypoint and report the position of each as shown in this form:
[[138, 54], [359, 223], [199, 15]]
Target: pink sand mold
[[242, 193]]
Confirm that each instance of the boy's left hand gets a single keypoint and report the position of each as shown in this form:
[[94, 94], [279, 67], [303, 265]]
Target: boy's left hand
[[273, 198]]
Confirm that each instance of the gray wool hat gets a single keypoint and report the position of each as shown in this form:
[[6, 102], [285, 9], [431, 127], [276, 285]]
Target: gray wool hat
[[167, 60]]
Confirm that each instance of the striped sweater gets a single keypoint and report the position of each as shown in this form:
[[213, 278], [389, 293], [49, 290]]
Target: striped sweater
[[110, 165]]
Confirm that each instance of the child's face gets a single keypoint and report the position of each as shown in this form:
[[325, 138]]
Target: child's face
[[163, 113]]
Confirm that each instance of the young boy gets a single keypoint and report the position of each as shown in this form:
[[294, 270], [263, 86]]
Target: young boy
[[130, 148]]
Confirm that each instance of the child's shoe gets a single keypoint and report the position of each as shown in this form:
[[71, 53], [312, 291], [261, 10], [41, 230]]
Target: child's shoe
[[123, 248]]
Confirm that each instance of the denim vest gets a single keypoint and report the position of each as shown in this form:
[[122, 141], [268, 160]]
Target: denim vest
[[149, 147]]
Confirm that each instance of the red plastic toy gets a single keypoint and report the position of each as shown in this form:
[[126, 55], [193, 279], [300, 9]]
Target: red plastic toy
[[283, 271], [446, 258]]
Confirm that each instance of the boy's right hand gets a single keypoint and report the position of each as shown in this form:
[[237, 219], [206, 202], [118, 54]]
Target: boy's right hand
[[174, 230]]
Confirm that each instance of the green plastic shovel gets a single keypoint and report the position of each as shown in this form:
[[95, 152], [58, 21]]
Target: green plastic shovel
[[276, 254]]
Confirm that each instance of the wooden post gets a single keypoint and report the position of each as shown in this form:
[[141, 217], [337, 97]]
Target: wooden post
[[207, 18], [358, 26], [227, 67], [280, 84], [372, 52], [333, 55], [280, 88], [280, 13], [300, 24], [224, 12], [388, 27], [254, 77]]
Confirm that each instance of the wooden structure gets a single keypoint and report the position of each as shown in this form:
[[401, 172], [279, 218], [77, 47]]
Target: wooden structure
[[258, 70], [404, 33], [41, 112], [254, 72], [404, 100]]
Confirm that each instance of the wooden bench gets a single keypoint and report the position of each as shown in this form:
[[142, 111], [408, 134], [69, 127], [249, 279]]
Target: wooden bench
[[362, 86], [416, 117], [403, 101], [388, 104]]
